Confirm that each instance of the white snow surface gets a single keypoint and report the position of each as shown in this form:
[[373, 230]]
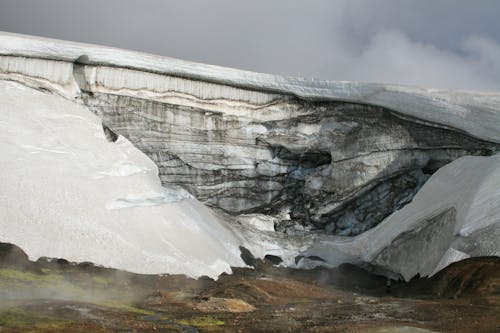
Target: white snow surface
[[475, 113], [66, 192]]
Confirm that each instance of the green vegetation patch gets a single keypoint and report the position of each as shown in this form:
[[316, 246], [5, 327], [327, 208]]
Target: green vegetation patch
[[99, 280], [25, 321], [17, 275], [206, 322]]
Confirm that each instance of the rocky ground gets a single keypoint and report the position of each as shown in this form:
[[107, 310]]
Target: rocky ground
[[57, 296]]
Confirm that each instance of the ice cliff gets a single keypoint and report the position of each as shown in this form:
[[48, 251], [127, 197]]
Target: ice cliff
[[311, 159]]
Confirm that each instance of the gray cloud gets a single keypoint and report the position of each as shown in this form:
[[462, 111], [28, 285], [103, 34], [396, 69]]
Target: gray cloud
[[442, 44]]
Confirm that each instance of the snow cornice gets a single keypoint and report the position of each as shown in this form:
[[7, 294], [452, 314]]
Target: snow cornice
[[472, 112]]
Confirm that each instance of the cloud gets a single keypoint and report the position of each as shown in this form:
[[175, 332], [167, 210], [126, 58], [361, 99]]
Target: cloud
[[392, 57], [441, 44], [485, 51]]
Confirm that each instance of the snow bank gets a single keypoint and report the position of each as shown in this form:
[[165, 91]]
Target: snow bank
[[68, 193]]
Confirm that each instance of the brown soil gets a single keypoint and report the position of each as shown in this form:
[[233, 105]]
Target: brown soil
[[57, 296]]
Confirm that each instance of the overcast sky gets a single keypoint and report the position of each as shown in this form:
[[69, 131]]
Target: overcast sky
[[432, 43]]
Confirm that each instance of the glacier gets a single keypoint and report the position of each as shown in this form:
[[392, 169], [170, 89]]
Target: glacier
[[410, 174]]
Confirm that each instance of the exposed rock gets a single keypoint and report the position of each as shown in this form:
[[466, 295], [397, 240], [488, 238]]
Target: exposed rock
[[247, 256], [10, 253], [275, 260]]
